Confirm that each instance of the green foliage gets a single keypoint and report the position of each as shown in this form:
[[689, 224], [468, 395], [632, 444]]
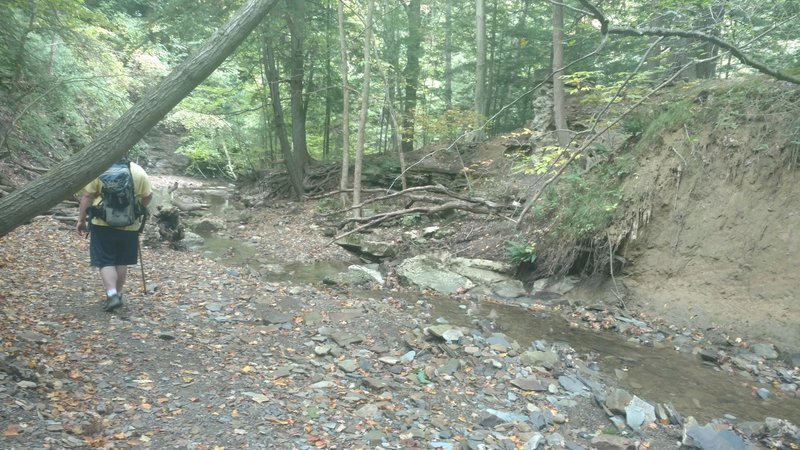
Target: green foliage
[[636, 123], [204, 157], [579, 205], [449, 125], [411, 220], [678, 114], [521, 252], [328, 205], [546, 161]]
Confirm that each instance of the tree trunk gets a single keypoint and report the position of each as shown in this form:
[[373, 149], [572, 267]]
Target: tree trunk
[[344, 183], [414, 52], [326, 123], [292, 166], [395, 132], [480, 68], [72, 174], [296, 22], [362, 120], [559, 94], [492, 67], [448, 54]]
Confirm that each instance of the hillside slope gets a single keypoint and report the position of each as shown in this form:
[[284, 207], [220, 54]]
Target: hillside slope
[[712, 215]]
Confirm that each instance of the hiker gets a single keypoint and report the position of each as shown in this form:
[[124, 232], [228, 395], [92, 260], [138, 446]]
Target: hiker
[[115, 206]]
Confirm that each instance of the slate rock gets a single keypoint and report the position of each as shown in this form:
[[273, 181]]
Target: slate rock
[[766, 351], [571, 384], [709, 438], [533, 358], [345, 339], [639, 413], [612, 442], [617, 400], [530, 384], [277, 318]]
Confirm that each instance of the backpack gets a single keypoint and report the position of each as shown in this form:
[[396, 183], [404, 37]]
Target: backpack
[[118, 205]]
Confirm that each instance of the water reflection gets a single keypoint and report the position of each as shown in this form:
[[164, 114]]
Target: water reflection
[[660, 375]]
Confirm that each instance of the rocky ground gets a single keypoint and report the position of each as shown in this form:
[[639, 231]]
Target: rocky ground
[[215, 357]]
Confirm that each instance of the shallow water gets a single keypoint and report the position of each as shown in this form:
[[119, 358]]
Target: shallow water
[[661, 375]]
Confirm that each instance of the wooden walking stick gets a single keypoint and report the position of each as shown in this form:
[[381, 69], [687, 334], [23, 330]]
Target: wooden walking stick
[[141, 264]]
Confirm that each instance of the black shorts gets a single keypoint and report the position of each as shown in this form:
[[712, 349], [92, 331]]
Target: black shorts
[[111, 247]]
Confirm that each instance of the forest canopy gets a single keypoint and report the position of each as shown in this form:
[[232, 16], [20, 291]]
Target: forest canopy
[[440, 70]]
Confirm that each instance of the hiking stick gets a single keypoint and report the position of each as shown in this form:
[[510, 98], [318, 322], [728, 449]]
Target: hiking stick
[[141, 264]]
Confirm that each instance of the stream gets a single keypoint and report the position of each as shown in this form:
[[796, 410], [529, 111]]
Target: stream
[[656, 374]]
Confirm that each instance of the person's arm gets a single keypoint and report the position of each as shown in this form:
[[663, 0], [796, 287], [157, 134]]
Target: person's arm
[[146, 200], [86, 202]]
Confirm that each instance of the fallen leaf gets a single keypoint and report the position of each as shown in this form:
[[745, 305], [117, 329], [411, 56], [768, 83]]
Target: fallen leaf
[[12, 430]]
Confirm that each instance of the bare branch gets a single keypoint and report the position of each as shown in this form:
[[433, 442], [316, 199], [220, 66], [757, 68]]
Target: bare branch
[[666, 32]]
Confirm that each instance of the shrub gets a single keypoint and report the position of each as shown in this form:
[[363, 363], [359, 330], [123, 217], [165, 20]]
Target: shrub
[[521, 252]]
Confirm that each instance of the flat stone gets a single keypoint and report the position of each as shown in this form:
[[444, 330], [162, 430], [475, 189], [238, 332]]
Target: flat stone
[[346, 339], [617, 400], [347, 314], [532, 358], [639, 413], [348, 365], [571, 384], [370, 411], [530, 384], [282, 372], [32, 337], [214, 307], [276, 318], [708, 438], [612, 442], [766, 351], [375, 383]]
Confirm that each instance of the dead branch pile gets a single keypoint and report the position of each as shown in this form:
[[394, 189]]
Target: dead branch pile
[[427, 200]]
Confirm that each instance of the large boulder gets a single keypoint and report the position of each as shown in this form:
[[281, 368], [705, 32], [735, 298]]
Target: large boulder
[[206, 225], [429, 272], [368, 249]]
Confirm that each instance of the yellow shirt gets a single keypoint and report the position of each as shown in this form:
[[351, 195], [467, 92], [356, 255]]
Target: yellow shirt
[[141, 188]]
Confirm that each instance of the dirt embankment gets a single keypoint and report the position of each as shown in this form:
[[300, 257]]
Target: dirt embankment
[[708, 217], [717, 206]]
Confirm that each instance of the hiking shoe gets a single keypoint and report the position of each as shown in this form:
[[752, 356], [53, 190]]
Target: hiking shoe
[[113, 302]]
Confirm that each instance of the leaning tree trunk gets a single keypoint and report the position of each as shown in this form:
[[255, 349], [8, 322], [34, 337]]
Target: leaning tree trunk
[[74, 173]]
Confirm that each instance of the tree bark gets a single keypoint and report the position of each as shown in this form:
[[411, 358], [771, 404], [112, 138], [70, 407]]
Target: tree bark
[[344, 182], [559, 94], [296, 22], [74, 173], [448, 54], [362, 120], [413, 54], [292, 166], [480, 68]]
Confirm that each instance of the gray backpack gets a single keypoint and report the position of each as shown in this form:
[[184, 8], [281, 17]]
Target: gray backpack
[[118, 206]]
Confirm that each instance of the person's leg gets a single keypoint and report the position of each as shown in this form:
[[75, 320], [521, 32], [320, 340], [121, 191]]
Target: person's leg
[[110, 277], [122, 274]]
